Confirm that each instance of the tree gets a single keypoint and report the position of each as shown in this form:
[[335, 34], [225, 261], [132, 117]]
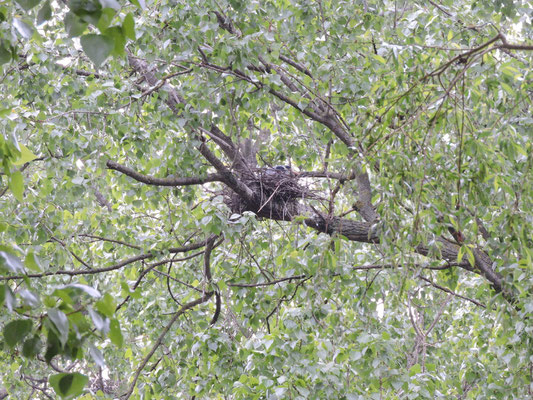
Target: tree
[[151, 249]]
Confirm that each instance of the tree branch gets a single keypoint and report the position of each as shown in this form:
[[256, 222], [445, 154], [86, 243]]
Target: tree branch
[[151, 180], [119, 265], [445, 289], [274, 282], [159, 340]]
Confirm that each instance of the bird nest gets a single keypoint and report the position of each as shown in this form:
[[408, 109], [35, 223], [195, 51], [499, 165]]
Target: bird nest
[[277, 193]]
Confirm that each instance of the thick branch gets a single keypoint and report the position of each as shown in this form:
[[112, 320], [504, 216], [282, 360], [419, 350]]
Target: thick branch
[[151, 180], [226, 175], [225, 143], [362, 232]]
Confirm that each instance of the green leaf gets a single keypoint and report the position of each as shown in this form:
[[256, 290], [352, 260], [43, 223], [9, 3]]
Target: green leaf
[[450, 276], [28, 4], [380, 59], [53, 346], [105, 19], [32, 347], [32, 262], [68, 385], [11, 262], [96, 355], [45, 13], [115, 32], [470, 256], [16, 184], [5, 53], [30, 298], [139, 3], [106, 305], [128, 26], [100, 323], [461, 253], [97, 47], [60, 321], [88, 10], [25, 156], [94, 293], [74, 25], [16, 331], [7, 297], [415, 369], [115, 333]]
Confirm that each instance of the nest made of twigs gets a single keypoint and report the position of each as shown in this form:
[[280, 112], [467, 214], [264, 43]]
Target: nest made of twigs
[[276, 193]]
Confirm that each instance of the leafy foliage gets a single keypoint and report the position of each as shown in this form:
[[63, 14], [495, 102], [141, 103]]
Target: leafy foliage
[[126, 127]]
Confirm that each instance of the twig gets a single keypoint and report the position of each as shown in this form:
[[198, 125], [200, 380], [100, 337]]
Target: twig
[[444, 289], [275, 282]]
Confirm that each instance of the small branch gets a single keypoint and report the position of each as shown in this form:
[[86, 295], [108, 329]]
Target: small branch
[[103, 239], [296, 65], [445, 289], [440, 8], [275, 282], [207, 258], [512, 46], [325, 174], [421, 266], [121, 264], [161, 83], [226, 175], [71, 252], [284, 298], [218, 308]]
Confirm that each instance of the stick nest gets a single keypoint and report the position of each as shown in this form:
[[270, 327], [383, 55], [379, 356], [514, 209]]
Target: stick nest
[[277, 194]]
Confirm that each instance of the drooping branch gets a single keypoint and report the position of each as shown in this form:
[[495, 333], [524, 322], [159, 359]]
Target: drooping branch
[[445, 289], [113, 267], [325, 174], [274, 282], [104, 239], [209, 277], [159, 340]]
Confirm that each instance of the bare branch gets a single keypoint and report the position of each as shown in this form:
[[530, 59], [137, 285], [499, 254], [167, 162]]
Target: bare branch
[[445, 289], [296, 65], [275, 282], [151, 180], [226, 175], [103, 239]]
